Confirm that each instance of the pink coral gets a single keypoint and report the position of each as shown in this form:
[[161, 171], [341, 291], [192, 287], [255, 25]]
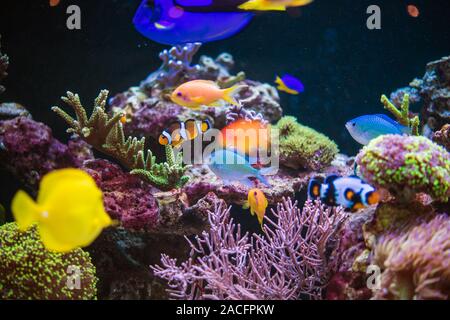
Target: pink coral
[[288, 262]]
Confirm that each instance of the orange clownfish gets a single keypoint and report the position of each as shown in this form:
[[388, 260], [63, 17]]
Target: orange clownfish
[[257, 202], [197, 93], [179, 132]]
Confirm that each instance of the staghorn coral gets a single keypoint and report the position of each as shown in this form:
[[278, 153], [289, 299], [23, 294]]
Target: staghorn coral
[[402, 115], [406, 165], [415, 263], [28, 271], [175, 69], [28, 150], [106, 134], [287, 262], [302, 147], [4, 63]]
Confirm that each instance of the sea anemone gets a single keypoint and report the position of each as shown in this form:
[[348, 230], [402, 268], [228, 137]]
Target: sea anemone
[[415, 264]]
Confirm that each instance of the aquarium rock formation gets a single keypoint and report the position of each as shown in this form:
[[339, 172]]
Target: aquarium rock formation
[[433, 94], [4, 63]]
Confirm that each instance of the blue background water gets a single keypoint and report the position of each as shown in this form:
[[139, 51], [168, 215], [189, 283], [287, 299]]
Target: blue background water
[[345, 67]]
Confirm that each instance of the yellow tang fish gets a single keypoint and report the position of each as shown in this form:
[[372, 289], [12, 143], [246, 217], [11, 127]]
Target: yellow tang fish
[[197, 93], [275, 5], [257, 202], [69, 210]]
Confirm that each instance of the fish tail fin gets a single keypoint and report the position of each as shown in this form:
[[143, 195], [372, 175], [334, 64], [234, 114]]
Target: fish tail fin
[[25, 210], [314, 187], [261, 5], [228, 94], [263, 180]]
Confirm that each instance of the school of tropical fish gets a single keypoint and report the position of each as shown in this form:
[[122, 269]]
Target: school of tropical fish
[[269, 206]]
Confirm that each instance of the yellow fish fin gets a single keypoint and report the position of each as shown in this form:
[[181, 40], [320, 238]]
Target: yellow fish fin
[[228, 94], [299, 3], [262, 5], [283, 87], [25, 210]]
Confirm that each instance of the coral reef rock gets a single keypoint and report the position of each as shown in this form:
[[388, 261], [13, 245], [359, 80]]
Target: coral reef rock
[[29, 151], [433, 92], [125, 196]]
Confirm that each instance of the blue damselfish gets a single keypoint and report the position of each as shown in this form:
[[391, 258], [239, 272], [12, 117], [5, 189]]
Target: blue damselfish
[[368, 127]]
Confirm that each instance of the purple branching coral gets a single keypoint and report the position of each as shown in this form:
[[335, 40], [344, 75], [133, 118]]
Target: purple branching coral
[[415, 264], [288, 262], [176, 67]]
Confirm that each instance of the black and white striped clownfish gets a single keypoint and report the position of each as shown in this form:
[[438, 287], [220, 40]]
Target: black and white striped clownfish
[[179, 132], [349, 192]]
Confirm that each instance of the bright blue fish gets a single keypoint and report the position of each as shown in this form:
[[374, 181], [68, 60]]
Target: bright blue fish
[[231, 166], [289, 84], [171, 24], [368, 127]]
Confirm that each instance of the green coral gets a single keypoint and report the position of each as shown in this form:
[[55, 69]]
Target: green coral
[[28, 271], [406, 166], [402, 115], [302, 147], [105, 133], [166, 175]]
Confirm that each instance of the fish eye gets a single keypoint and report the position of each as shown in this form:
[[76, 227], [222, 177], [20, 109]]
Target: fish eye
[[179, 94], [354, 124]]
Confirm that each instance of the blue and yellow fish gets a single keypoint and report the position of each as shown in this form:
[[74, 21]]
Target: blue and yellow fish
[[231, 166], [289, 84], [257, 202], [179, 132], [349, 192], [69, 210], [368, 127]]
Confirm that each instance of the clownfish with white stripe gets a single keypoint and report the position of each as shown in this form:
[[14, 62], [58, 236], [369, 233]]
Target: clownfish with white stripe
[[179, 132], [349, 192]]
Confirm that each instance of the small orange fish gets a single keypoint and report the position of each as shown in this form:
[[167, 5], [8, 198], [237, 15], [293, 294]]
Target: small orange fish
[[197, 93], [54, 3], [413, 11], [257, 202], [179, 132], [246, 137]]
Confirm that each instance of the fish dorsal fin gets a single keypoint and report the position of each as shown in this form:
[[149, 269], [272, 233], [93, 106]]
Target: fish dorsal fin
[[207, 82], [331, 178], [402, 128]]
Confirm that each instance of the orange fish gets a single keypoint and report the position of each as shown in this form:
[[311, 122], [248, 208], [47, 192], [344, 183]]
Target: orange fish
[[413, 11], [54, 3], [197, 93], [257, 202], [246, 137]]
